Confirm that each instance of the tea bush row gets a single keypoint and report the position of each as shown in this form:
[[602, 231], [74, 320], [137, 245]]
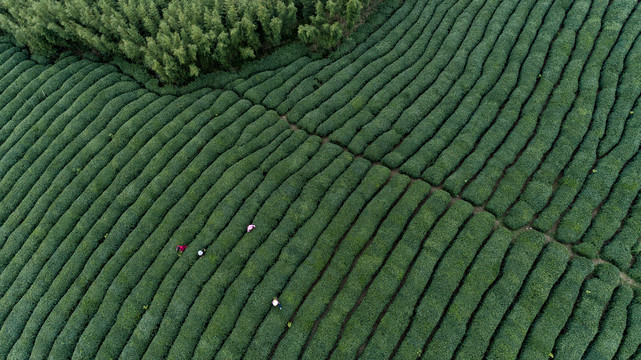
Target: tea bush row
[[94, 204], [305, 276], [556, 311], [138, 202], [496, 301], [400, 310], [388, 15], [453, 40], [446, 148], [193, 207], [506, 119], [584, 323], [576, 172], [510, 335], [463, 86], [302, 205], [325, 289], [482, 274], [169, 284], [444, 285], [577, 123], [371, 72], [599, 184], [554, 112], [361, 326], [362, 271], [360, 70], [293, 254], [481, 187]]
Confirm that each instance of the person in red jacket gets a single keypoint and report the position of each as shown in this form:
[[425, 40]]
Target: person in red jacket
[[181, 248]]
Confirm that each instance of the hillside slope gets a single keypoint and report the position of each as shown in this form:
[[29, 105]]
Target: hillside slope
[[461, 180]]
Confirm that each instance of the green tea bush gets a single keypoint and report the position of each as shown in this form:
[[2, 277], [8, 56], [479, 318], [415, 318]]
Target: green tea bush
[[511, 333], [169, 302], [607, 342], [438, 23], [26, 117], [47, 152], [48, 245], [482, 273], [377, 72], [196, 218], [628, 92], [597, 186], [584, 323], [471, 87], [502, 103], [480, 188], [127, 221], [283, 94], [92, 193], [557, 107], [140, 220], [362, 274], [258, 92], [51, 162], [575, 174], [633, 327], [345, 134], [72, 241], [23, 107], [325, 289], [225, 212], [14, 53], [445, 284], [555, 313], [13, 67], [612, 212], [262, 259], [619, 249], [400, 310], [497, 300], [24, 89], [56, 118], [454, 47], [293, 255], [386, 284], [560, 50], [295, 291], [578, 119]]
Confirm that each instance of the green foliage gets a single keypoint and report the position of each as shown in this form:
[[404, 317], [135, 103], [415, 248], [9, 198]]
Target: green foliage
[[367, 266], [482, 273], [549, 323], [619, 249], [606, 343], [176, 40], [306, 274], [499, 297], [505, 103], [633, 329], [437, 241], [351, 244], [512, 331], [447, 276], [584, 323]]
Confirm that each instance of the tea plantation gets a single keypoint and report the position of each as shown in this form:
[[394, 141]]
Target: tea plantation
[[459, 179]]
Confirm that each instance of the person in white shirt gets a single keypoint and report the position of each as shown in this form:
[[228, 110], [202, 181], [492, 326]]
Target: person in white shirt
[[275, 302]]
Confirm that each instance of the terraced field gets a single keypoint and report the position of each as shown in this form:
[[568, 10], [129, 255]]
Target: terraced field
[[460, 179]]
